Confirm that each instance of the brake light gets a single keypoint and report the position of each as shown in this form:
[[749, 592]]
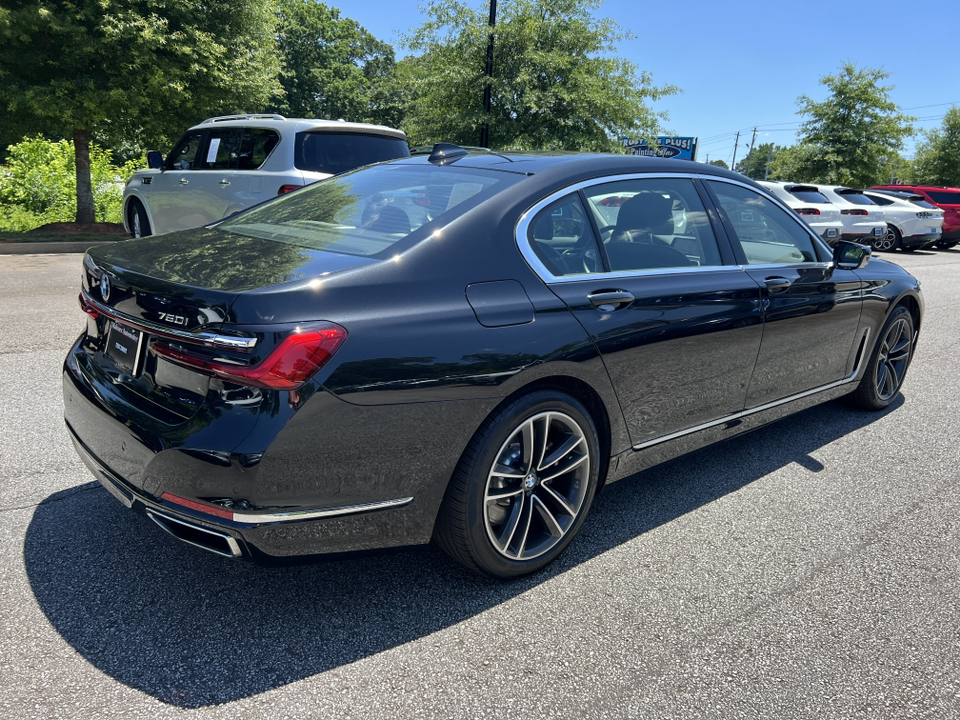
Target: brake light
[[854, 212], [290, 364], [807, 211], [284, 189], [87, 307], [924, 215]]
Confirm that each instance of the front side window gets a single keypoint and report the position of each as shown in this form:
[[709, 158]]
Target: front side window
[[375, 211], [653, 223], [766, 233], [184, 154]]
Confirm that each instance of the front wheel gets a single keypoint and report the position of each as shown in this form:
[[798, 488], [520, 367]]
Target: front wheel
[[137, 220], [522, 488], [888, 363]]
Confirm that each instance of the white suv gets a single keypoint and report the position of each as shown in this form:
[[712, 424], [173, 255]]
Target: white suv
[[226, 164], [810, 204], [912, 222], [863, 220]]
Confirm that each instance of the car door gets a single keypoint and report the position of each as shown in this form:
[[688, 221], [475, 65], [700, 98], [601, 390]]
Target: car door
[[169, 188], [811, 309], [211, 185], [678, 328]]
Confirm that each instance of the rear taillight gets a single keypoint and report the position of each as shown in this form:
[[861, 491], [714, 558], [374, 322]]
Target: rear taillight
[[854, 212], [284, 189], [924, 215], [87, 307], [807, 211], [290, 364]]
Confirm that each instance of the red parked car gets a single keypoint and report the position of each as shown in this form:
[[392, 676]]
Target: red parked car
[[946, 198]]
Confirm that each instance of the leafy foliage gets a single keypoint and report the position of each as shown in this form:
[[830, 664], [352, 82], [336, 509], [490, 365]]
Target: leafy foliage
[[938, 155], [329, 64], [130, 69], [38, 185], [754, 164], [556, 85], [852, 132], [719, 164]]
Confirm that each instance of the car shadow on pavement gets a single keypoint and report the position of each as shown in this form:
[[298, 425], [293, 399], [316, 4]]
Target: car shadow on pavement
[[192, 629]]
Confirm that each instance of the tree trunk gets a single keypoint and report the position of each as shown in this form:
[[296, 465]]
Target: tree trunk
[[81, 151]]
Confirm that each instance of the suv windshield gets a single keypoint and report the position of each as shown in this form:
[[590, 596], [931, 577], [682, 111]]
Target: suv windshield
[[372, 211], [337, 152]]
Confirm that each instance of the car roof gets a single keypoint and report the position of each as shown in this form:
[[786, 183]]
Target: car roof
[[299, 124]]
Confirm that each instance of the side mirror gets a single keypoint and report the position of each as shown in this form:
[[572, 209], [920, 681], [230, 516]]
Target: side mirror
[[850, 255], [154, 160]]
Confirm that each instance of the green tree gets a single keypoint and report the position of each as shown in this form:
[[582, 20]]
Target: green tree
[[719, 164], [937, 159], [854, 130], [130, 69], [754, 164], [556, 83], [329, 64]]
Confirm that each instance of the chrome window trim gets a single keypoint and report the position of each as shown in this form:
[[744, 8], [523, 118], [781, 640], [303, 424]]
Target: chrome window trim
[[201, 338], [526, 250]]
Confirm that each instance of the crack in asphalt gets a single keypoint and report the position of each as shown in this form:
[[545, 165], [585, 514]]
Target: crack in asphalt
[[56, 497]]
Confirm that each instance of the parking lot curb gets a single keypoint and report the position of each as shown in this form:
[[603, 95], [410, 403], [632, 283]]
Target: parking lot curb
[[26, 248]]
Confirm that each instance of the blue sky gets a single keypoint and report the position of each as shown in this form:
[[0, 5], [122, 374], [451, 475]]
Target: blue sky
[[742, 64]]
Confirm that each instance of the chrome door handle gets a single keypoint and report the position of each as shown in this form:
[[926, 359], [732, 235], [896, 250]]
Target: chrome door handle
[[224, 182], [184, 181], [610, 300], [777, 284]]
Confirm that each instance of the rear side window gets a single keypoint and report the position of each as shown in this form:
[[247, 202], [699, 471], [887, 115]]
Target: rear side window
[[220, 151], [809, 195], [256, 144], [563, 239], [944, 198], [335, 152]]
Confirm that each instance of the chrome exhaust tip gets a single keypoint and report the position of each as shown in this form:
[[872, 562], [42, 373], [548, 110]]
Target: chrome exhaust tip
[[216, 542]]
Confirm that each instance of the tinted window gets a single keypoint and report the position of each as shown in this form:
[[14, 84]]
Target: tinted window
[[809, 195], [370, 211], [944, 198], [220, 152], [856, 198], [767, 234], [880, 200], [919, 201], [563, 239], [333, 153], [256, 144], [653, 223], [184, 154]]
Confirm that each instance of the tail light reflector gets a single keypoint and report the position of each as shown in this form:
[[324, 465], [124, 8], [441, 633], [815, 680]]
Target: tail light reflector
[[87, 307], [198, 506], [290, 364], [854, 212], [807, 211], [284, 189]]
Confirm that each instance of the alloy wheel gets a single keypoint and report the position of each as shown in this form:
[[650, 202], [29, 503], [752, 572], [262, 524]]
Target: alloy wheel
[[893, 358], [537, 486]]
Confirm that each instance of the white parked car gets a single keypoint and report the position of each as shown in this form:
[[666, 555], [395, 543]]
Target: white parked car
[[912, 222], [811, 204], [227, 164], [863, 220]]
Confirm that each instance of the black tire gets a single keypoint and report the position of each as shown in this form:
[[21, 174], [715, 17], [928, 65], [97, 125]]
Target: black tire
[[137, 220], [888, 242], [888, 363], [946, 245], [522, 488]]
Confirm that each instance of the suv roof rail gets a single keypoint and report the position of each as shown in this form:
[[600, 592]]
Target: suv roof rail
[[260, 116]]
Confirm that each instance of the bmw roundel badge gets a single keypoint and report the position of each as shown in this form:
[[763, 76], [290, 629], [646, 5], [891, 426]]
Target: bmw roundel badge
[[105, 287]]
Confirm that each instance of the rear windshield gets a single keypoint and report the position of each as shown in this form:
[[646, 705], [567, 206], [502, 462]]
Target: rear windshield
[[329, 152], [856, 198], [375, 211], [809, 195], [944, 198], [918, 200]]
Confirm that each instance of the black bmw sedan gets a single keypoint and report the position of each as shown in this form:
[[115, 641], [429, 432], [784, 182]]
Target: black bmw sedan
[[463, 347]]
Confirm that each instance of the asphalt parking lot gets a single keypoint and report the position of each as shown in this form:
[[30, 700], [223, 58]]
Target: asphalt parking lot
[[807, 570]]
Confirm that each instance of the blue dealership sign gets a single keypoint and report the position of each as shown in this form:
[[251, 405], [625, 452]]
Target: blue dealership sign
[[684, 148]]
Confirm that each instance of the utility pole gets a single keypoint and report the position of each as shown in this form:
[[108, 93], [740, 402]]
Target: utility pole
[[733, 163], [485, 130]]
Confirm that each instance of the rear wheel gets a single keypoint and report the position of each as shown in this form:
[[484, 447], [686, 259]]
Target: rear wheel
[[523, 486], [888, 363], [137, 220], [888, 242]]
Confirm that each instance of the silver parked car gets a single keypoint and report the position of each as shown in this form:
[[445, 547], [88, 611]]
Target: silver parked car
[[227, 164]]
